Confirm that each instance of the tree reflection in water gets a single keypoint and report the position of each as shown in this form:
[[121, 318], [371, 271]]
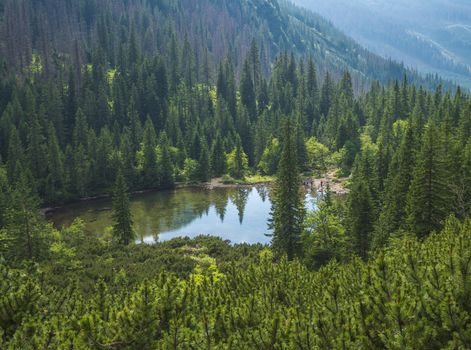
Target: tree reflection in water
[[237, 214]]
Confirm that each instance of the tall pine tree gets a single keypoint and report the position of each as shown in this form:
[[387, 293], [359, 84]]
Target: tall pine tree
[[167, 178], [429, 196], [393, 215], [123, 230], [288, 210], [218, 158]]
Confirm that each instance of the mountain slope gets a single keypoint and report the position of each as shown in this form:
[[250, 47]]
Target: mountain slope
[[432, 36], [58, 31]]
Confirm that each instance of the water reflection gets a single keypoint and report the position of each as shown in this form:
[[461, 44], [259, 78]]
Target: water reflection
[[237, 214]]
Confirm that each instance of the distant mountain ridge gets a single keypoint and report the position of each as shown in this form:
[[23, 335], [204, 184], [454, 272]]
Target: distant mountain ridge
[[433, 36], [58, 31]]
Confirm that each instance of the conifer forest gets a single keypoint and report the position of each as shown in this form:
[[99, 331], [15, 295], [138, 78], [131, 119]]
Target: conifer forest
[[115, 98]]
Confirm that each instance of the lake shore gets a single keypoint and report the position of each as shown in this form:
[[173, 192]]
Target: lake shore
[[337, 186]]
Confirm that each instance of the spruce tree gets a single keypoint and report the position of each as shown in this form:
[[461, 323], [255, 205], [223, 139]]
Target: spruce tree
[[428, 202], [123, 230], [360, 217], [346, 87], [55, 182], [167, 178], [80, 174], [393, 215], [237, 161], [24, 225], [80, 132], [327, 95], [195, 145], [15, 155], [218, 158], [301, 150], [103, 167], [149, 167], [134, 122], [255, 65], [204, 165], [35, 149], [247, 91], [287, 214], [312, 106], [128, 157]]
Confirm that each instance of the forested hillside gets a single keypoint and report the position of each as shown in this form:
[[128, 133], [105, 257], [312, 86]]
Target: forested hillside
[[195, 35], [430, 35], [109, 97]]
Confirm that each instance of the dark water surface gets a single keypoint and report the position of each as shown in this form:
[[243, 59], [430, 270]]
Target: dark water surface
[[236, 214]]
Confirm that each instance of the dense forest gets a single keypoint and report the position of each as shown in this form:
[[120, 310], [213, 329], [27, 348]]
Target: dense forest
[[125, 99], [71, 33]]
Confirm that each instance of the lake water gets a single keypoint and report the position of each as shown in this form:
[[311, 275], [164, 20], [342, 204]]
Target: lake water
[[236, 214]]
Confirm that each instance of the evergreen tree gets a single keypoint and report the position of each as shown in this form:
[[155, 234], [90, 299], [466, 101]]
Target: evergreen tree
[[346, 87], [301, 150], [24, 226], [360, 217], [135, 126], [15, 156], [128, 157], [237, 161], [324, 238], [312, 107], [174, 59], [204, 165], [80, 173], [254, 57], [288, 210], [102, 159], [70, 107], [55, 182], [35, 149], [327, 95], [149, 167], [247, 91], [393, 215], [133, 52], [428, 202], [123, 224], [196, 146], [218, 158], [80, 132], [167, 178]]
